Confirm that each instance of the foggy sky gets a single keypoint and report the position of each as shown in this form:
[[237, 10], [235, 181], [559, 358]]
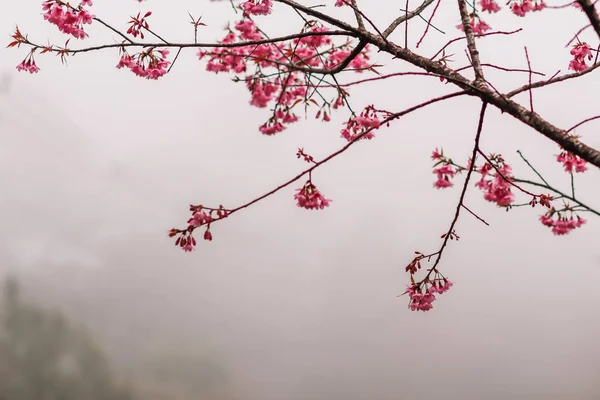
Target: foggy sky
[[98, 164]]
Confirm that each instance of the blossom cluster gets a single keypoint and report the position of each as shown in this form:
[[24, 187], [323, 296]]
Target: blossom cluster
[[273, 71], [68, 19], [185, 238], [310, 198], [149, 64], [362, 126], [422, 294], [497, 183]]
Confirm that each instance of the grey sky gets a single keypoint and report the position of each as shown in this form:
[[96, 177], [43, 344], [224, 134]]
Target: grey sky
[[92, 156]]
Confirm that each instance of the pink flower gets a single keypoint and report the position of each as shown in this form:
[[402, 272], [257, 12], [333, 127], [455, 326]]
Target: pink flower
[[310, 198], [572, 162], [362, 126], [489, 5], [148, 64], [497, 189], [561, 225], [444, 174], [257, 7], [199, 218], [420, 301], [478, 26], [580, 52], [29, 66], [68, 20], [340, 3]]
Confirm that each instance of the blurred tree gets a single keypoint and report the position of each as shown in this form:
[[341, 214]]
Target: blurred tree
[[43, 357]]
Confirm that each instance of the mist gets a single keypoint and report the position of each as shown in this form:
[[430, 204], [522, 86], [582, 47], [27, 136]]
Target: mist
[[97, 165]]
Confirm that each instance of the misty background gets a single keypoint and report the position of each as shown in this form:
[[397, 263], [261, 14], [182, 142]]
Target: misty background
[[288, 304]]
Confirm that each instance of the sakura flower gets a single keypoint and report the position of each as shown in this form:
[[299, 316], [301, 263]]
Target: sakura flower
[[478, 26], [257, 7], [571, 162], [29, 66], [444, 174], [496, 185], [489, 5], [580, 53], [310, 198], [362, 126], [561, 225]]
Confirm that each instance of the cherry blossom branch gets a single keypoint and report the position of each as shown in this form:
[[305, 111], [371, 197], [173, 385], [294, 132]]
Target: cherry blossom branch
[[450, 233], [554, 79], [317, 164]]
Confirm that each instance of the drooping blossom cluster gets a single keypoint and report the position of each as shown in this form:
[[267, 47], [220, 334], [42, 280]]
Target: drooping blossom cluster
[[185, 238], [489, 6], [287, 87], [521, 7], [495, 182], [257, 7], [363, 126], [422, 299], [443, 170], [478, 26], [309, 197], [149, 64], [558, 221], [422, 294], [580, 52], [571, 162], [68, 19]]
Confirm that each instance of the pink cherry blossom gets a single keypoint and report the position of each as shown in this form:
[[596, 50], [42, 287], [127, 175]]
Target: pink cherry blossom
[[489, 5], [571, 162], [310, 198], [257, 7], [580, 53], [28, 65], [362, 126], [497, 189], [561, 225], [68, 20], [444, 174], [478, 26]]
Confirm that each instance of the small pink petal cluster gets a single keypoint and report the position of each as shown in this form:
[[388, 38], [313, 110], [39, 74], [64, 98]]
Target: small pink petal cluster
[[478, 26], [68, 19], [257, 7], [285, 87], [445, 172], [489, 6], [580, 52], [495, 182], [147, 64], [561, 225], [340, 3], [423, 300], [310, 198], [185, 238], [571, 162], [28, 65], [522, 7], [362, 126]]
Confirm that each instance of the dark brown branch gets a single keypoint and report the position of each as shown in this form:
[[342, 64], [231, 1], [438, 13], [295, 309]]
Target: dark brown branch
[[590, 10]]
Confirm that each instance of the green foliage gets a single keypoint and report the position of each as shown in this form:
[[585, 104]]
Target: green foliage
[[44, 357]]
